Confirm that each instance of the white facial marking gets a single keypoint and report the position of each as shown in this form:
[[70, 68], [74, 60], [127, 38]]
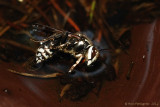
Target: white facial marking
[[95, 57], [90, 52], [91, 58]]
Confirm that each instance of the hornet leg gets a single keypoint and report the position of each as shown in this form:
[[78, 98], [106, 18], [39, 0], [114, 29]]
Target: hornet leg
[[80, 56]]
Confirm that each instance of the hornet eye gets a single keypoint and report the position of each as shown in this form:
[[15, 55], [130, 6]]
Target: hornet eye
[[93, 52]]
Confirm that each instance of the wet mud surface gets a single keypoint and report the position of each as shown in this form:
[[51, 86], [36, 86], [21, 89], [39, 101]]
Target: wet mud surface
[[141, 89]]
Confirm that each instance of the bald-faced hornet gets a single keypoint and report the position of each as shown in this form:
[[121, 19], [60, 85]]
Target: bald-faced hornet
[[76, 44], [61, 51]]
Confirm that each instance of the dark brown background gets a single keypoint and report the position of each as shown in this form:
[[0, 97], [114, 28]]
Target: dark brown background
[[142, 88]]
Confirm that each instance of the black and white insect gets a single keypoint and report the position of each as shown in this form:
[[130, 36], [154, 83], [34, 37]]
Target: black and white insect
[[60, 51], [76, 44]]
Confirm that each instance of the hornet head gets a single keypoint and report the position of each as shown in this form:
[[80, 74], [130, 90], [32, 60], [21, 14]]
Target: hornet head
[[91, 55]]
